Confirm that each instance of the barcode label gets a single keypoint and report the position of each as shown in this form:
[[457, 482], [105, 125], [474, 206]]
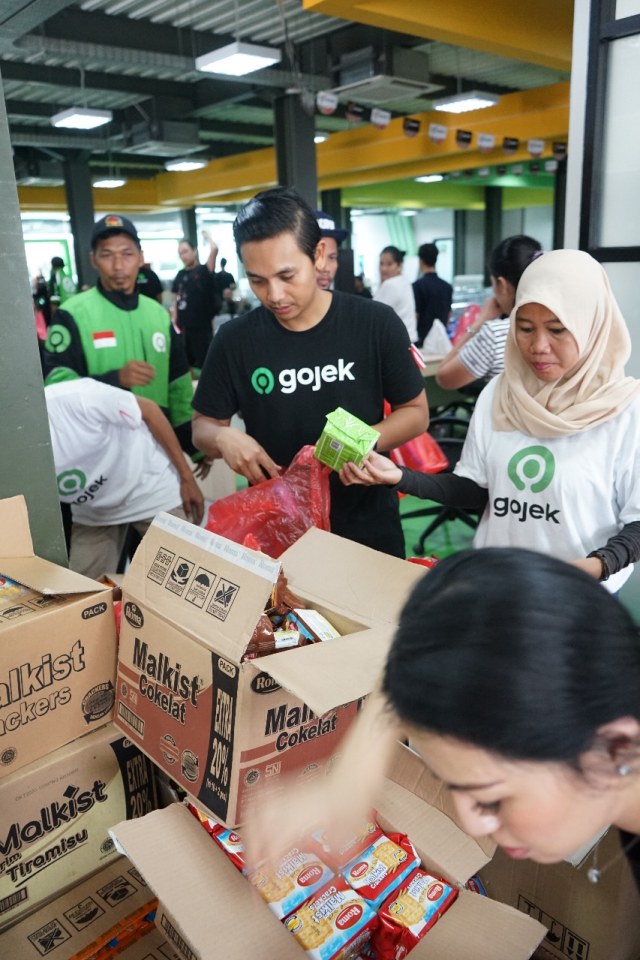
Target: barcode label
[[136, 723], [174, 937], [8, 903]]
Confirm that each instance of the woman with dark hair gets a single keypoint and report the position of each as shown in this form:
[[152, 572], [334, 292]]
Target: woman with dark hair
[[527, 710], [481, 352], [396, 291], [552, 455]]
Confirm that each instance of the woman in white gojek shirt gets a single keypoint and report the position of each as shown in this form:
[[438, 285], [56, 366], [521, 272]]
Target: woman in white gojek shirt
[[552, 456]]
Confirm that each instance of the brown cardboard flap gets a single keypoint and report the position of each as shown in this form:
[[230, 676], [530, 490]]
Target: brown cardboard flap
[[249, 575], [48, 578], [351, 578], [210, 901], [15, 535], [476, 928], [408, 771], [327, 675]]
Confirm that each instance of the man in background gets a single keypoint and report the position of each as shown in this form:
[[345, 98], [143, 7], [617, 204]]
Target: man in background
[[333, 237], [433, 295], [114, 335]]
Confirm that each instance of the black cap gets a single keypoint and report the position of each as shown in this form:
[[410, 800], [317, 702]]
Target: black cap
[[110, 225], [328, 227]]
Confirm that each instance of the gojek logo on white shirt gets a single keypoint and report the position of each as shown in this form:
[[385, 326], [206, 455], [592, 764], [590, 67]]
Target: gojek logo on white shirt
[[529, 469], [73, 483], [263, 380]]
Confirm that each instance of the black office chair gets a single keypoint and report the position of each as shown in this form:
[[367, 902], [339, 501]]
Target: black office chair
[[450, 432]]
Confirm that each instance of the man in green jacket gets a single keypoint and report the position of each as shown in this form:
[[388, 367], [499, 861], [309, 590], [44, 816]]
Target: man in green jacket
[[114, 335]]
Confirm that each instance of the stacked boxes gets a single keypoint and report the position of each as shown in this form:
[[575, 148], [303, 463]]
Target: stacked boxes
[[66, 773]]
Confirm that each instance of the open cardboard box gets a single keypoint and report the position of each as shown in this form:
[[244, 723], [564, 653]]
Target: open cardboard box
[[57, 649], [223, 729], [209, 910]]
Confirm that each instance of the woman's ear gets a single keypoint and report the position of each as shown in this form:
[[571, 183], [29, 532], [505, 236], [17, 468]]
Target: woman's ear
[[620, 740]]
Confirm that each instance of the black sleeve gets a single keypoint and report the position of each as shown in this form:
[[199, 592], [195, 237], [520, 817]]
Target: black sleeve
[[446, 488], [215, 394], [622, 549], [402, 381]]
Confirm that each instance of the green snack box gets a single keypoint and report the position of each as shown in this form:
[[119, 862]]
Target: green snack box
[[345, 439]]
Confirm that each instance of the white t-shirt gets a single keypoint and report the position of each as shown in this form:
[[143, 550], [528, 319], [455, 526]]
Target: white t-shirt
[[564, 496], [397, 293], [108, 465]]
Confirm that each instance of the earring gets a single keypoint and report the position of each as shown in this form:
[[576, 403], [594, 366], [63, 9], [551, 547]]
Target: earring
[[623, 770]]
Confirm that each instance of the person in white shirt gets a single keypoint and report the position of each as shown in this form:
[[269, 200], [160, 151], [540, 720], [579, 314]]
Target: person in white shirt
[[396, 291], [118, 463], [552, 456], [481, 351]]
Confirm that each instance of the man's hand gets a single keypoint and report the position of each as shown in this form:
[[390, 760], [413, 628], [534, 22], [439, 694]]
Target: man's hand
[[136, 373], [244, 455], [202, 468], [375, 470], [590, 565], [192, 499]]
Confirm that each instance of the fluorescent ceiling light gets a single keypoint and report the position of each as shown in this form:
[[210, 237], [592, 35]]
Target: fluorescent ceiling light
[[237, 59], [81, 118], [430, 178], [408, 213], [109, 183], [184, 165], [320, 136], [462, 102]]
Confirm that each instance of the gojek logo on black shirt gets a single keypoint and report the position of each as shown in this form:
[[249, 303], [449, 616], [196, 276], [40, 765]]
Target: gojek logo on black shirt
[[532, 468], [263, 380]]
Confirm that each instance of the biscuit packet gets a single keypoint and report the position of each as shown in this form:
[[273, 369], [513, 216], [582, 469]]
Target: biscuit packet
[[334, 924], [337, 857], [377, 872], [409, 913], [231, 844], [287, 883]]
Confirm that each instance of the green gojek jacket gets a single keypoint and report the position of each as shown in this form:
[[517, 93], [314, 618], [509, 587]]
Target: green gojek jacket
[[97, 332]]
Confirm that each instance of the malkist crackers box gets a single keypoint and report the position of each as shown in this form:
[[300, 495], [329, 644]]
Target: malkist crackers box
[[55, 816], [224, 729], [235, 924], [57, 648], [111, 905]]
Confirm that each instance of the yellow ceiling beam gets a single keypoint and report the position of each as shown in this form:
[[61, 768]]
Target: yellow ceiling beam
[[363, 154], [539, 32]]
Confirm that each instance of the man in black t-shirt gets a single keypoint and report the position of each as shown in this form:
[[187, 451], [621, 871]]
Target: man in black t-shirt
[[301, 354], [432, 294], [198, 300]]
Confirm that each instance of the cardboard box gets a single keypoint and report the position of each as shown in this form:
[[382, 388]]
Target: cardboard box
[[209, 910], [153, 946], [585, 921], [55, 815], [57, 649], [223, 729], [87, 916]]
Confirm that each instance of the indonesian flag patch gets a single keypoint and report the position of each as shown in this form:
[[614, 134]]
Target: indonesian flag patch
[[104, 338]]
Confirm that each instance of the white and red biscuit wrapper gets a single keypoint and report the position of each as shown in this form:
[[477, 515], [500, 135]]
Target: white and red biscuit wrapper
[[287, 883], [476, 885], [377, 872], [334, 924], [337, 857], [210, 825], [409, 913], [231, 843]]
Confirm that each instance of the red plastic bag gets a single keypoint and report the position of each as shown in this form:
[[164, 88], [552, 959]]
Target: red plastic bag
[[423, 453], [274, 514]]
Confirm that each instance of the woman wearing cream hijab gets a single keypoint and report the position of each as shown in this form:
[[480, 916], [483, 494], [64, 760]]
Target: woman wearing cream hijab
[[552, 455]]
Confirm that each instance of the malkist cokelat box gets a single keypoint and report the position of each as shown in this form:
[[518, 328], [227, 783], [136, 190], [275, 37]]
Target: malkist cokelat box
[[55, 815], [57, 649], [208, 910], [225, 729], [80, 922], [583, 921]]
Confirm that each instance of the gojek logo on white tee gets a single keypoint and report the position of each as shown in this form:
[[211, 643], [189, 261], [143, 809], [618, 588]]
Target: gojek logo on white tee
[[530, 469], [73, 483], [263, 380]]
